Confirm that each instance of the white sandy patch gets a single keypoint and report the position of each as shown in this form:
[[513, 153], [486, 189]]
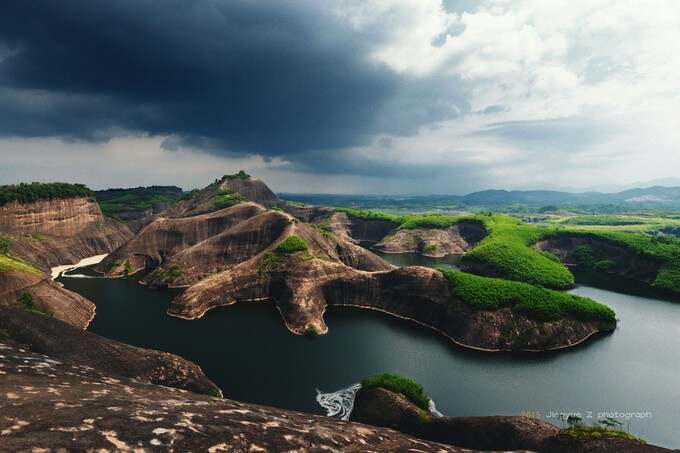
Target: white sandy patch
[[58, 270]]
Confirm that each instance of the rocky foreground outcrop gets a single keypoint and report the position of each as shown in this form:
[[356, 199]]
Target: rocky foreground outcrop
[[49, 404], [64, 342], [381, 407], [47, 297]]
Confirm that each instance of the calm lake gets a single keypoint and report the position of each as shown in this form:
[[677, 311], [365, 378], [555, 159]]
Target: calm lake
[[246, 350]]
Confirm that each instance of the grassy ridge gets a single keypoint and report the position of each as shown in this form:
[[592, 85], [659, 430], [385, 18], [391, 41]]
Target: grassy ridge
[[371, 215], [486, 293], [506, 252], [408, 221], [35, 191]]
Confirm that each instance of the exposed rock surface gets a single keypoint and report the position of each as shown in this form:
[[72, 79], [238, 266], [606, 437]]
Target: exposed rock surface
[[381, 407], [302, 287], [47, 295], [165, 237], [231, 255], [455, 240], [202, 245], [203, 201], [57, 217], [64, 342], [48, 233], [360, 230], [51, 404]]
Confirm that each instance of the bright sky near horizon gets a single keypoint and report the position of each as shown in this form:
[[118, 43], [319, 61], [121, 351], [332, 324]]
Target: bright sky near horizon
[[392, 96]]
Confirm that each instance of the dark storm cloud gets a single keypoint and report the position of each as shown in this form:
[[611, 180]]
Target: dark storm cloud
[[274, 78]]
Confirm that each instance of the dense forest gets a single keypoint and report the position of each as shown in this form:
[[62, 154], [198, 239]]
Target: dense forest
[[34, 191]]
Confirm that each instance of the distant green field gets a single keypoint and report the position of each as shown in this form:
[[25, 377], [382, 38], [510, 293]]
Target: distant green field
[[114, 202]]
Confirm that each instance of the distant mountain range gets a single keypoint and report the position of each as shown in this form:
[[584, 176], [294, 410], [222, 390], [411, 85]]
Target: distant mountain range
[[652, 197]]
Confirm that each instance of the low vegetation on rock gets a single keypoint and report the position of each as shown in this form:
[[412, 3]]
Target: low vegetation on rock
[[486, 293], [9, 263], [240, 175], [170, 274], [35, 191], [26, 303], [604, 429], [227, 198], [292, 244], [413, 391]]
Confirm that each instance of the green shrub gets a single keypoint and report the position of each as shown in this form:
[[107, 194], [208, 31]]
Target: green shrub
[[27, 303], [240, 175], [486, 293], [127, 268], [413, 391], [227, 198], [430, 248], [4, 246], [292, 244], [170, 274]]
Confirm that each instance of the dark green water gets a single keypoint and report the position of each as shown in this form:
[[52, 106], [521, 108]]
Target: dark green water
[[247, 351]]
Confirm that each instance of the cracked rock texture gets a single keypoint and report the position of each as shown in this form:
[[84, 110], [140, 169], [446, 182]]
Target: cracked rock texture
[[64, 342], [48, 404]]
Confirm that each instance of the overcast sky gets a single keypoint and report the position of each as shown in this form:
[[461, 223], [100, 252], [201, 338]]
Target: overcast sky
[[394, 96]]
